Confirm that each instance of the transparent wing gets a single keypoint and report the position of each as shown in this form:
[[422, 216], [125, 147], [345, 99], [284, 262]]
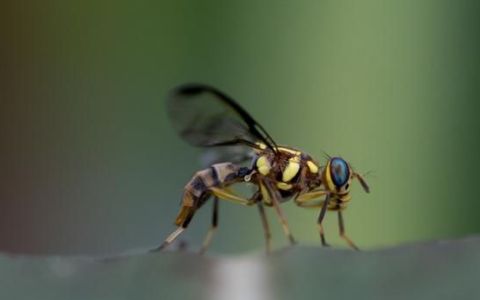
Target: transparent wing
[[205, 117], [238, 154]]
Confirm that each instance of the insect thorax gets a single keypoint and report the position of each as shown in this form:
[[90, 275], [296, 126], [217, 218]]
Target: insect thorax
[[290, 169]]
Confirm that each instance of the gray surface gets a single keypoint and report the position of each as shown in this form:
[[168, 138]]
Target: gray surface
[[435, 270]]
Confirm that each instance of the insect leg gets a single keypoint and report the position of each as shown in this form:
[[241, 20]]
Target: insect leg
[[274, 197], [320, 220], [257, 197], [317, 204], [307, 197], [225, 194], [266, 227], [342, 231], [213, 227]]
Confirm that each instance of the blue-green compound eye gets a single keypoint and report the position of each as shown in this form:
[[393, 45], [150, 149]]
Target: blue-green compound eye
[[340, 171]]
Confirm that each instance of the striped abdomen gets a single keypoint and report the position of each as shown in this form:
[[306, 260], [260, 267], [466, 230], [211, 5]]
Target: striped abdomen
[[197, 190]]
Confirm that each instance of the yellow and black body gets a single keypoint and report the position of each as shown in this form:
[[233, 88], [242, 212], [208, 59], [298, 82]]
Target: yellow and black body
[[203, 184], [206, 117]]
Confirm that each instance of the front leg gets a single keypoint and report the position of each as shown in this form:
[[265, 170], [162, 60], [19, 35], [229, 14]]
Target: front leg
[[320, 220], [341, 226], [307, 200], [303, 198]]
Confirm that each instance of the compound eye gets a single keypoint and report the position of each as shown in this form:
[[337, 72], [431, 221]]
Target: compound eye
[[340, 171]]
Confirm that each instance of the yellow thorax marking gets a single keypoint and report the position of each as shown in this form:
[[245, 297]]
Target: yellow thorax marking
[[292, 169], [328, 178], [284, 186], [289, 150], [261, 145], [263, 165], [312, 167]]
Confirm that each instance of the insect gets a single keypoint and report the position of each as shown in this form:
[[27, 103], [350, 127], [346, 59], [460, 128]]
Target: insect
[[206, 117]]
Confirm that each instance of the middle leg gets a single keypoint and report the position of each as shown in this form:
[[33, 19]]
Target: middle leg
[[266, 227], [274, 196]]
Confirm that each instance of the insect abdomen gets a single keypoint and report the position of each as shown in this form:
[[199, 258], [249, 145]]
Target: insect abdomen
[[197, 190]]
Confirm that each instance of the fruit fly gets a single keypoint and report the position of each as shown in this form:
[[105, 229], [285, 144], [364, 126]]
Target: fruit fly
[[206, 117]]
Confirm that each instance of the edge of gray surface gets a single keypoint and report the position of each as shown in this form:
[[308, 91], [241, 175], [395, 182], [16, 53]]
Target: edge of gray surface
[[428, 270]]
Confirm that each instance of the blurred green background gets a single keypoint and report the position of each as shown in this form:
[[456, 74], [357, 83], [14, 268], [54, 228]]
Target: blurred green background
[[89, 163]]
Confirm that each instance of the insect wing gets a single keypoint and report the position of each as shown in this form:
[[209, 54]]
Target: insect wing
[[206, 117], [237, 154]]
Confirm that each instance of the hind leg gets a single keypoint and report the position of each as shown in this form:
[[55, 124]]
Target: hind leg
[[226, 194], [212, 229]]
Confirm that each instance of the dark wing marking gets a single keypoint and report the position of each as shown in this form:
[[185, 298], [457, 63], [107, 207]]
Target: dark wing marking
[[206, 117]]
